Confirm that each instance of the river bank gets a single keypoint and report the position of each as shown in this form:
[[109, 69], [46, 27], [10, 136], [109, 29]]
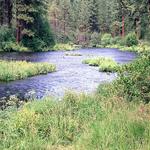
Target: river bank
[[115, 117]]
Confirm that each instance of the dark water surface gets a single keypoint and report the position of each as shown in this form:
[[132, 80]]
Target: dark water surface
[[71, 73]]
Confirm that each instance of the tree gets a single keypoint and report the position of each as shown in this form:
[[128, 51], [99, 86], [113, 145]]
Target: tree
[[6, 12], [93, 20]]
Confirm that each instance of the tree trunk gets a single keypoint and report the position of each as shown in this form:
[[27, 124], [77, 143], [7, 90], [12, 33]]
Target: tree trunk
[[1, 12], [123, 26], [18, 32], [138, 27], [9, 13]]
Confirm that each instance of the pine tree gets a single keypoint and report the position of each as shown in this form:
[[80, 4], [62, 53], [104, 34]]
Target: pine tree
[[93, 20], [6, 12]]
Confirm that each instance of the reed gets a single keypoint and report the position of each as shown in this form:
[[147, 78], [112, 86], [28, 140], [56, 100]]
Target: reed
[[16, 70]]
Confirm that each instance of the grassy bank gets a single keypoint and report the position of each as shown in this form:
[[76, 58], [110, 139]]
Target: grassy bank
[[78, 122], [65, 47], [139, 48], [129, 43], [104, 64], [16, 70], [103, 120]]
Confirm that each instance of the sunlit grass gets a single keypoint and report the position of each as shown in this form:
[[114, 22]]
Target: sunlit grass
[[78, 122], [139, 48], [115, 117], [66, 47], [16, 70], [104, 64]]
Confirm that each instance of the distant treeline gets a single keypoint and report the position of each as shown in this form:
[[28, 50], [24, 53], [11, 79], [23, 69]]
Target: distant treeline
[[76, 20], [25, 24]]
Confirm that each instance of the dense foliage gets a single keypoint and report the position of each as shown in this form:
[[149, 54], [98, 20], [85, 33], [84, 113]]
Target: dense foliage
[[28, 23], [77, 20], [135, 78]]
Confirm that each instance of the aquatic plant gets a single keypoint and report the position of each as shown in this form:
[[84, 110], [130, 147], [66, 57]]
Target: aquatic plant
[[16, 70], [104, 64]]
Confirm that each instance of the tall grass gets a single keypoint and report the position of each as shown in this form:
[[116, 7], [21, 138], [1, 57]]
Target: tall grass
[[104, 64], [61, 46], [78, 122], [16, 70], [99, 121]]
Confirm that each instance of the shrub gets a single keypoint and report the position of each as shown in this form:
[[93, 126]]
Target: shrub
[[122, 42], [115, 40], [131, 39], [34, 43], [95, 39], [12, 46], [135, 79], [106, 39], [43, 37], [6, 35]]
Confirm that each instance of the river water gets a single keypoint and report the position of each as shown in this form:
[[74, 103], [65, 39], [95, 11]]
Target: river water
[[71, 74]]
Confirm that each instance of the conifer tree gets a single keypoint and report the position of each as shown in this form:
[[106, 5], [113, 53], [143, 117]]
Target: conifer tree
[[93, 20]]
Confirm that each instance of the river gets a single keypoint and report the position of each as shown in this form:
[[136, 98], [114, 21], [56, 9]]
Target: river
[[71, 74]]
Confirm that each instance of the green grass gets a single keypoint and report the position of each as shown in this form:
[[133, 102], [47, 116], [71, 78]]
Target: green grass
[[16, 70], [99, 121], [78, 122], [143, 47], [104, 64], [66, 47]]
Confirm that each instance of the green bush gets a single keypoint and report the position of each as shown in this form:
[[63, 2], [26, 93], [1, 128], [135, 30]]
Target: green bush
[[122, 42], [34, 43], [131, 39], [135, 79], [115, 40], [43, 38], [106, 39], [12, 46], [6, 36], [95, 39]]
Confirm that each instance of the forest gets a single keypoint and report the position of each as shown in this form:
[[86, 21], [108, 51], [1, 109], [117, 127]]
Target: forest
[[38, 26], [75, 74]]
